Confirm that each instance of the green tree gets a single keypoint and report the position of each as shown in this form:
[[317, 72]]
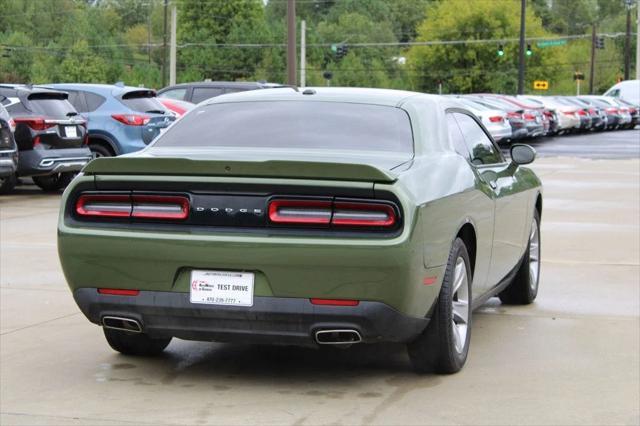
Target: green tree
[[476, 67], [16, 61], [80, 65]]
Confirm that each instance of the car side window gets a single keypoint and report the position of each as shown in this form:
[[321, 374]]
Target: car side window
[[483, 151], [455, 135], [93, 101], [203, 93], [177, 94]]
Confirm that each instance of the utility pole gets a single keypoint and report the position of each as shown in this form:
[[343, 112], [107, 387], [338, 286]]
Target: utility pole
[[627, 41], [521, 56], [291, 43], [164, 45], [172, 52], [638, 42], [592, 66], [303, 53], [149, 31]]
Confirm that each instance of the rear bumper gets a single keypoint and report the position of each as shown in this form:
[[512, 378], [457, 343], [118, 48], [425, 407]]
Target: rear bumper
[[500, 132], [49, 161], [8, 162], [275, 320], [535, 129]]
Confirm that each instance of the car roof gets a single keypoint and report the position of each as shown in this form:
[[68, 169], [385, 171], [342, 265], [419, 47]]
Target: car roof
[[22, 91], [230, 84], [326, 94], [103, 89]]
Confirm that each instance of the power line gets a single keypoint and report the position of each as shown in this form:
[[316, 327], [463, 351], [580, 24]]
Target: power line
[[324, 45]]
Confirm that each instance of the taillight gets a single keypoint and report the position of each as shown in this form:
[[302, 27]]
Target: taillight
[[363, 214], [36, 123], [495, 119], [569, 113], [160, 207], [167, 207], [131, 119], [337, 213], [612, 110], [335, 302], [118, 292], [528, 116], [97, 205], [313, 212]]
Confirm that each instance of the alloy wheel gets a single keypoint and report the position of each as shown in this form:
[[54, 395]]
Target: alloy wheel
[[534, 255], [460, 304]]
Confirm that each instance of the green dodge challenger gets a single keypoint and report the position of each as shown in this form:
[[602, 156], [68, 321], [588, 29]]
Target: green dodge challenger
[[324, 216]]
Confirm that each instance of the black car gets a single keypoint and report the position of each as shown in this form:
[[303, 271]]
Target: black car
[[50, 135], [203, 90], [8, 152]]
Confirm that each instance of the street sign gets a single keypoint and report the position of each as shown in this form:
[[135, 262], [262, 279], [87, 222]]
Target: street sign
[[541, 85], [549, 43], [578, 76]]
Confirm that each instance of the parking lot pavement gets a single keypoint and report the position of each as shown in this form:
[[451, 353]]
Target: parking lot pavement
[[573, 357], [619, 144]]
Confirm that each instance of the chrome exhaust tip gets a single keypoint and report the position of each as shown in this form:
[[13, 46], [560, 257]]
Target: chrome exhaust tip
[[337, 337], [122, 324]]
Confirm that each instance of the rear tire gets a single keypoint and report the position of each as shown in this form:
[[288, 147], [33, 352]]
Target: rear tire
[[137, 344], [54, 182], [443, 346], [100, 151], [7, 184], [524, 287]]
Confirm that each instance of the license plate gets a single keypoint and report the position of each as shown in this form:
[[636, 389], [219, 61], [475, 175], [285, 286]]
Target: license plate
[[227, 288], [71, 131]]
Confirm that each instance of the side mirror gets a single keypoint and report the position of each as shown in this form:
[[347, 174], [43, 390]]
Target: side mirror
[[522, 154]]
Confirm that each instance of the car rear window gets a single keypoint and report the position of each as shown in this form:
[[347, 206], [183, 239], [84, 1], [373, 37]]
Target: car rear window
[[57, 108], [203, 93], [142, 101], [293, 124]]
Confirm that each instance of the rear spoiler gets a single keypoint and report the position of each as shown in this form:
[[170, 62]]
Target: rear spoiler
[[271, 168]]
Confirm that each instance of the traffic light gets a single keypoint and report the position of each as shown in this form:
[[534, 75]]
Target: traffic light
[[529, 51], [500, 50], [342, 51], [600, 43]]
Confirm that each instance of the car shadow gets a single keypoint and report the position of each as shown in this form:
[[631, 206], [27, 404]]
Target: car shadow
[[189, 364]]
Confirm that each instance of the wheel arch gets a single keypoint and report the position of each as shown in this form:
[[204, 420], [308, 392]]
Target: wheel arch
[[105, 141], [539, 204], [467, 234]]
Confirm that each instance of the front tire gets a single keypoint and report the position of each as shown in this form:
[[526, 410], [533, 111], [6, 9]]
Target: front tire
[[443, 346], [524, 287], [136, 344], [54, 182], [7, 184]]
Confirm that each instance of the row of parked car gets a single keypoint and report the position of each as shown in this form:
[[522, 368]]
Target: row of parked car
[[512, 118], [49, 132]]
